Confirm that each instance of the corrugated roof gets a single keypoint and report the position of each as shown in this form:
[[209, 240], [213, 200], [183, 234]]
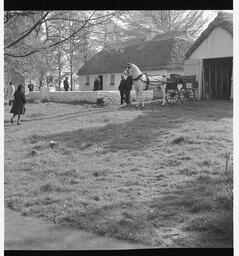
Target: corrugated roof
[[223, 19], [147, 55]]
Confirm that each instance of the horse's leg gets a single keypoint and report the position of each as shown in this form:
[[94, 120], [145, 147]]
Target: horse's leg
[[164, 93], [142, 99], [137, 98]]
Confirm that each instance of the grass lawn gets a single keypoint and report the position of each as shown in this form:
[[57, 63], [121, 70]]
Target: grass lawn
[[153, 177]]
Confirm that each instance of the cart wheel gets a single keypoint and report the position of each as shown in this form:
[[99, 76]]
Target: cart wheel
[[183, 95], [191, 93], [172, 96], [195, 91], [186, 94]]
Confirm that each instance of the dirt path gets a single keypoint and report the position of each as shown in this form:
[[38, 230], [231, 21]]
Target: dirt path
[[27, 233]]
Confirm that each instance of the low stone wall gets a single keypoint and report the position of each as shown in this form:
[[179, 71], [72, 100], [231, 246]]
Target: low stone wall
[[35, 95], [72, 96], [49, 94]]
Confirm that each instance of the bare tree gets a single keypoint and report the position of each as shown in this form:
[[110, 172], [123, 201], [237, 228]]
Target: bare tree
[[17, 36], [41, 42], [140, 22]]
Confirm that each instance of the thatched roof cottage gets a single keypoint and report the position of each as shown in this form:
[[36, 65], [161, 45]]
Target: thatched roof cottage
[[154, 54]]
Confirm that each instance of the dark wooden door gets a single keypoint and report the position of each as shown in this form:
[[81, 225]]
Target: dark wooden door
[[101, 82], [217, 78]]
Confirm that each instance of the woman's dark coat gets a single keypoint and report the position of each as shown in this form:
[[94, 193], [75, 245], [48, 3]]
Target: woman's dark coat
[[18, 103]]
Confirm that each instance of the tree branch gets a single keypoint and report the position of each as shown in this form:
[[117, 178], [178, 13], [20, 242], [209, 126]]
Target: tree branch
[[29, 32], [54, 44], [76, 20], [59, 42]]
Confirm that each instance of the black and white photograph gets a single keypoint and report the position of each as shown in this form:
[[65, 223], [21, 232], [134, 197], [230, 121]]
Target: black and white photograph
[[118, 129]]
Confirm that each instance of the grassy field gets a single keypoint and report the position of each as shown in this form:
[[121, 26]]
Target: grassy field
[[153, 177]]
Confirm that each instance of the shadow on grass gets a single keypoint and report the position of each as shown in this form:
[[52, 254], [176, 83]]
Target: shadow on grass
[[75, 114], [194, 206], [145, 222], [210, 209], [137, 134]]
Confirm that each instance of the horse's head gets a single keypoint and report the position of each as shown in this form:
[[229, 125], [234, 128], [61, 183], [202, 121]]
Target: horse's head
[[128, 69], [164, 79], [132, 70]]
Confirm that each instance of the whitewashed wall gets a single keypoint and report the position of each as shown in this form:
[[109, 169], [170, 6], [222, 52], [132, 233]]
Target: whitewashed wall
[[106, 82], [218, 44], [107, 77], [113, 97], [35, 95], [194, 67]]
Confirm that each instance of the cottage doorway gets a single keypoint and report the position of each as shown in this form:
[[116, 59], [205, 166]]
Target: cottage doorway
[[101, 82], [217, 75]]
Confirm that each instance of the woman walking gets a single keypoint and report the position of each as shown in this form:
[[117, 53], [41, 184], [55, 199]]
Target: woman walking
[[19, 104]]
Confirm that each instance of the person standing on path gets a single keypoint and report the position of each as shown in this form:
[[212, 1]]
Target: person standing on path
[[19, 104], [96, 84], [128, 88], [30, 87], [10, 93], [121, 88], [66, 85]]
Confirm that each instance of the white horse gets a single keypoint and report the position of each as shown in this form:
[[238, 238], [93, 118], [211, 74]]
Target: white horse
[[142, 82]]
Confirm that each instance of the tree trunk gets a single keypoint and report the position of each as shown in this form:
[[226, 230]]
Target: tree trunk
[[59, 70], [41, 77], [59, 76], [71, 74]]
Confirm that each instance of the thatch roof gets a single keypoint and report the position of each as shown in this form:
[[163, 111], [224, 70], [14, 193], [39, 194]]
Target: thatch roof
[[164, 51], [223, 19]]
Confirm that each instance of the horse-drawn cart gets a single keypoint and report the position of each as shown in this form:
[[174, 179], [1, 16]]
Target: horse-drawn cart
[[181, 89]]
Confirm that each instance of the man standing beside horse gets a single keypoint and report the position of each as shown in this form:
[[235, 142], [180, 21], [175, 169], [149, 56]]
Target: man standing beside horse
[[121, 88], [128, 88], [143, 81]]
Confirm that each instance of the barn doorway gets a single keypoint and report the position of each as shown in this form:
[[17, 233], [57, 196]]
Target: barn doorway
[[217, 75], [101, 82]]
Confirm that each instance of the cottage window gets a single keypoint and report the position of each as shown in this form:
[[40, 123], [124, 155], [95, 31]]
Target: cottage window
[[87, 82], [112, 79]]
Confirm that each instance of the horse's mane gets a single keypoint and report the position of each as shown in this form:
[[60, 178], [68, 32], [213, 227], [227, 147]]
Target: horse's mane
[[136, 68]]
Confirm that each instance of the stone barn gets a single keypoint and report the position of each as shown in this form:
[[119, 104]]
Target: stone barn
[[210, 58], [155, 54]]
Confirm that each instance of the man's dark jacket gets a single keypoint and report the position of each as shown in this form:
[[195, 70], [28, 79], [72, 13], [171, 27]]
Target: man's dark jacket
[[122, 85], [128, 83], [66, 85]]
